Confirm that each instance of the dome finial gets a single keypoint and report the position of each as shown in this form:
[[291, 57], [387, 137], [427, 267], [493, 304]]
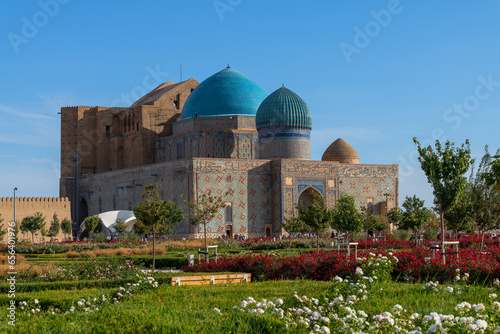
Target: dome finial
[[283, 85], [228, 66]]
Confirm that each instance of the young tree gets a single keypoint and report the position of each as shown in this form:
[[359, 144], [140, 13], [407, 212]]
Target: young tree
[[2, 230], [91, 223], [316, 215], [415, 214], [445, 169], [484, 198], [369, 219], [492, 177], [394, 216], [67, 226], [203, 211], [55, 227], [33, 224], [346, 217], [156, 216], [459, 216], [292, 224], [120, 226]]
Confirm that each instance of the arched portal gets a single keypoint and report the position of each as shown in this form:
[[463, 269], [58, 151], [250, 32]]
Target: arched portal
[[306, 197]]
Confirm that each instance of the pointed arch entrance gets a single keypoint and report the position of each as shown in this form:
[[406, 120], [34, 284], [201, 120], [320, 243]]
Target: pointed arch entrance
[[306, 196]]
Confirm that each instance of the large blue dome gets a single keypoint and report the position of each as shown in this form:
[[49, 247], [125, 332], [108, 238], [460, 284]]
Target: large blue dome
[[283, 109], [226, 93]]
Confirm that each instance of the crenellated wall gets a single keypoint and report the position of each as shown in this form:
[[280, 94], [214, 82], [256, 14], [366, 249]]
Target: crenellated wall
[[28, 206]]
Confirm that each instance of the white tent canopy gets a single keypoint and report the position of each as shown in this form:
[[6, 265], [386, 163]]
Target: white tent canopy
[[109, 220]]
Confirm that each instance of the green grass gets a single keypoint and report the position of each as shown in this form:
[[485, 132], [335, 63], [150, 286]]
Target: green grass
[[189, 309]]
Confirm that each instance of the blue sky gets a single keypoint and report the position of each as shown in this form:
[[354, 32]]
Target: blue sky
[[375, 73]]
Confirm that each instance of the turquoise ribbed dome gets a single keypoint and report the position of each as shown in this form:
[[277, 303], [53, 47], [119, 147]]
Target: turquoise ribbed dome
[[283, 108], [226, 93]]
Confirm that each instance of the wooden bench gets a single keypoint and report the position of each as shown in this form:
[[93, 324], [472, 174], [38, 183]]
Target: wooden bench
[[213, 279]]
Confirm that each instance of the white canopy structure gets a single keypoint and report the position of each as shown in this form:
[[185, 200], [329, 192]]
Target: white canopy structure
[[109, 220]]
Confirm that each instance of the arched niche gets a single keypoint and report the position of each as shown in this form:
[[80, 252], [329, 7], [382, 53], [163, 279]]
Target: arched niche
[[307, 195]]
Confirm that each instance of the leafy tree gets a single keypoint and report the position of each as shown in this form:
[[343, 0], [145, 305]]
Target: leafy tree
[[345, 216], [204, 210], [394, 216], [33, 224], [369, 219], [91, 223], [55, 227], [458, 218], [155, 215], [492, 177], [2, 230], [292, 224], [120, 226], [315, 215], [415, 214], [484, 198], [67, 226], [445, 168]]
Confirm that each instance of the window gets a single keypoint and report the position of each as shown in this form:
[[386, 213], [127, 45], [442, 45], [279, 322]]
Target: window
[[229, 213], [108, 130], [100, 204]]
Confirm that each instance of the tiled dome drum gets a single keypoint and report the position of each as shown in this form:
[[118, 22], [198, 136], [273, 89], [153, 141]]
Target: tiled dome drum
[[284, 124]]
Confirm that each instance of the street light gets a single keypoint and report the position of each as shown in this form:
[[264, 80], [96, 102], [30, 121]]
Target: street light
[[15, 189]]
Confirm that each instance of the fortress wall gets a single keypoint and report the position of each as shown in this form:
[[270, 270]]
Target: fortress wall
[[27, 206]]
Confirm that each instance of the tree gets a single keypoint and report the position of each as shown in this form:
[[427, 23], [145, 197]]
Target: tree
[[445, 169], [315, 215], [120, 226], [394, 216], [292, 224], [492, 177], [91, 223], [66, 226], [485, 199], [458, 218], [155, 215], [2, 230], [203, 211], [346, 217], [33, 224], [55, 227], [368, 218], [415, 214]]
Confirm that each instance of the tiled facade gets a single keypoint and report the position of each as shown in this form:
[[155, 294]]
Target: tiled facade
[[260, 191]]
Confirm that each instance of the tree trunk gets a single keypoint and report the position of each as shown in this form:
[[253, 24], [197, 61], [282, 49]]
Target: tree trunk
[[154, 253], [442, 236], [482, 240], [32, 238], [317, 242]]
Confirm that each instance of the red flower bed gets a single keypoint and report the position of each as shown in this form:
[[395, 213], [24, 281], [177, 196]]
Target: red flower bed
[[317, 266]]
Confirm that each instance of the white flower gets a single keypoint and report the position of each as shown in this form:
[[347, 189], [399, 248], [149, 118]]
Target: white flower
[[235, 308], [279, 301], [359, 271], [260, 311], [478, 307], [325, 330], [449, 289], [481, 324], [493, 296], [496, 306], [243, 304], [36, 301], [217, 310]]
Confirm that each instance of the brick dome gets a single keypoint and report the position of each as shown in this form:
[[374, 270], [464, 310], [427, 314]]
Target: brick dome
[[340, 151]]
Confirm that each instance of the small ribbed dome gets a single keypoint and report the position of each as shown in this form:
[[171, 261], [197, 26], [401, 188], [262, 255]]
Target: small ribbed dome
[[226, 93], [283, 108], [340, 151]]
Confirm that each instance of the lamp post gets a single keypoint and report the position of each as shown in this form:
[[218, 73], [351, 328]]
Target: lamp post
[[15, 189]]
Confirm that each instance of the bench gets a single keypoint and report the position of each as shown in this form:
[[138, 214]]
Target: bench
[[213, 279]]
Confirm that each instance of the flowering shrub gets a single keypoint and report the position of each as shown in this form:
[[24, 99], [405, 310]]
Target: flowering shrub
[[336, 313], [143, 285]]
